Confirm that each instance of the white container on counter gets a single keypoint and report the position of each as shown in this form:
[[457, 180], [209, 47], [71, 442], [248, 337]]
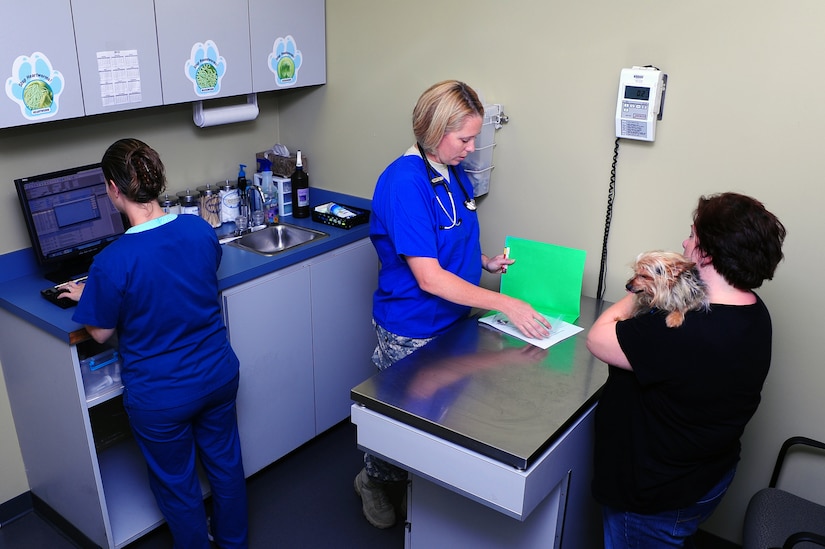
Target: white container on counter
[[230, 202], [169, 204], [210, 204], [189, 202]]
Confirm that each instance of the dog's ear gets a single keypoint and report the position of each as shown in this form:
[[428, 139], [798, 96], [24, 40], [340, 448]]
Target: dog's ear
[[679, 266]]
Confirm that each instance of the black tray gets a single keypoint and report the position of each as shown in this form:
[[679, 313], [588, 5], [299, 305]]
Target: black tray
[[361, 216]]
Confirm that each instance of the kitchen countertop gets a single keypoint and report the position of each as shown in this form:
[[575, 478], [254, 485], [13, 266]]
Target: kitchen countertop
[[22, 279]]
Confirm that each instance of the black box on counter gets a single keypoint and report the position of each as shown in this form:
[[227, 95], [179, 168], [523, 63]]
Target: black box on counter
[[346, 217], [283, 166]]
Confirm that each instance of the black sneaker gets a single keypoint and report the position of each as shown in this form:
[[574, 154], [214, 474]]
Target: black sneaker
[[375, 503]]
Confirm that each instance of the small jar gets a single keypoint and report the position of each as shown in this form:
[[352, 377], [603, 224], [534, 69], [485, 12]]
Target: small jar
[[189, 202], [210, 204], [169, 204]]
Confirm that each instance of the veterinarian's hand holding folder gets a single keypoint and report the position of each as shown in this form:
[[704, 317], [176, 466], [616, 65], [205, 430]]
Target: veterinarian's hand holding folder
[[548, 277]]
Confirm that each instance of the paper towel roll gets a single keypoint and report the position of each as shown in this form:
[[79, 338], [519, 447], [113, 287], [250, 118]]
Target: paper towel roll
[[225, 115]]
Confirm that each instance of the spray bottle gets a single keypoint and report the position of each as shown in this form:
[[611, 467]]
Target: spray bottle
[[264, 179]]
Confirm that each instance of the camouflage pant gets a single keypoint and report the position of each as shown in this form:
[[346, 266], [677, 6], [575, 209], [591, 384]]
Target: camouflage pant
[[390, 349]]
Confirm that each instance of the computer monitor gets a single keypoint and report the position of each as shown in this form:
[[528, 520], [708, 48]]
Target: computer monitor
[[69, 218]]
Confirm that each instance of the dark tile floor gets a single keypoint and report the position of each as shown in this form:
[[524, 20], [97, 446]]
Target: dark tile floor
[[305, 500]]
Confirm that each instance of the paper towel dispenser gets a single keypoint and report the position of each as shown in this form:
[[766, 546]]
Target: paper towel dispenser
[[228, 114]]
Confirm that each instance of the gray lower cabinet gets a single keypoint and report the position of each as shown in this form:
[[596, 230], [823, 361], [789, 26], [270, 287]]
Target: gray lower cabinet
[[78, 455], [271, 332], [304, 337], [343, 282]]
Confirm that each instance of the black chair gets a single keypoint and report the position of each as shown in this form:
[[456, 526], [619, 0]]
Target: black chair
[[778, 519]]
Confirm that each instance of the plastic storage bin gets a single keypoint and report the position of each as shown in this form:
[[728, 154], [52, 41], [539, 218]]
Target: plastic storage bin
[[321, 214], [101, 373], [283, 191]]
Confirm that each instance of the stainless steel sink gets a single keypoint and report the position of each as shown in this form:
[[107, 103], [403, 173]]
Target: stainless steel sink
[[276, 239]]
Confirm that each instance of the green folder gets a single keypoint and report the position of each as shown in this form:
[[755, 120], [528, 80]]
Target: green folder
[[547, 276]]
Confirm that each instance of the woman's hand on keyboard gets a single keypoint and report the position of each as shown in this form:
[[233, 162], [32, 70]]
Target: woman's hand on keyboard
[[73, 290]]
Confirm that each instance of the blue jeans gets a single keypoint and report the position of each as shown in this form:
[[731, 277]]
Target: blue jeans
[[170, 440], [624, 530]]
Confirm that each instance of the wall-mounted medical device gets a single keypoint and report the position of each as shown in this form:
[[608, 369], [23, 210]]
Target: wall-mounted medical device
[[640, 102]]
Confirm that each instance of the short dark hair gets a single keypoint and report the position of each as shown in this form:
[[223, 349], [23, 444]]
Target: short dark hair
[[740, 236]]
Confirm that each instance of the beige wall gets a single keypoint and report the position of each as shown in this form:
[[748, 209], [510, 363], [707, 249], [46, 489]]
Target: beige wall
[[743, 113]]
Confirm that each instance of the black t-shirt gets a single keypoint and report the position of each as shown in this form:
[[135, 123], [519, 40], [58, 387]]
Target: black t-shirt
[[668, 431]]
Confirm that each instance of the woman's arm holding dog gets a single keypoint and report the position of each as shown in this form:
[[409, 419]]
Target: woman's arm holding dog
[[602, 340]]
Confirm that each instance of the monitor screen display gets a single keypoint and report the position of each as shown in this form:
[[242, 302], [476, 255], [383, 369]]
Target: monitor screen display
[[69, 218]]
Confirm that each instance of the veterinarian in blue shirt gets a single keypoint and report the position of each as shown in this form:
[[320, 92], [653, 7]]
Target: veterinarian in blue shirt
[[670, 418], [180, 374], [425, 230]]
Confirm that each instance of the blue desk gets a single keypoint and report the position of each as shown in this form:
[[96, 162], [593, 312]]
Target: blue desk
[[22, 279]]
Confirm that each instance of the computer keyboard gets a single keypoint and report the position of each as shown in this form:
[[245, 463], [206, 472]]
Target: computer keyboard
[[53, 294]]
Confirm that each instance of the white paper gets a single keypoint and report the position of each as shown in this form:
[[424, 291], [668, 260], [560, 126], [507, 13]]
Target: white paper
[[559, 329], [119, 73]]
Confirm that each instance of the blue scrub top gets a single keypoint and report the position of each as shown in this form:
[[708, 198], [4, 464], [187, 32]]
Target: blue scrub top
[[405, 221], [157, 285]]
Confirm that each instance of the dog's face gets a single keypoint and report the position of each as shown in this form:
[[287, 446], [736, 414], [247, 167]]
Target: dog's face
[[657, 274], [667, 281]]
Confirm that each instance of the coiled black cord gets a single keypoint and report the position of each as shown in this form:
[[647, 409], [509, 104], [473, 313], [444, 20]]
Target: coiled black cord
[[611, 195]]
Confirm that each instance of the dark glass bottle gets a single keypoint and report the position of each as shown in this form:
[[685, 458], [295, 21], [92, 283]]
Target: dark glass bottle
[[300, 190]]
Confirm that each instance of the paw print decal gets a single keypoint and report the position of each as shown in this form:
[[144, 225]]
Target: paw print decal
[[35, 86], [205, 68], [284, 61]]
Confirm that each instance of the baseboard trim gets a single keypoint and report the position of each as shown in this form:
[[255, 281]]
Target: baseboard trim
[[15, 508], [68, 529]]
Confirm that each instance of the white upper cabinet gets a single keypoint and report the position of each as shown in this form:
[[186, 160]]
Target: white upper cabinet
[[70, 58], [117, 52], [204, 49], [38, 64], [288, 41]]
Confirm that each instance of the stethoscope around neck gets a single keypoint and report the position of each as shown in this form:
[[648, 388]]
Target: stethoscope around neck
[[437, 179]]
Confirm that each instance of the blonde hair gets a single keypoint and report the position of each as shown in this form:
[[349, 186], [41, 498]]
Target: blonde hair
[[441, 109]]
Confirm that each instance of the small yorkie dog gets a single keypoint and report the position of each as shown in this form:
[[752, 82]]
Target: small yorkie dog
[[667, 281]]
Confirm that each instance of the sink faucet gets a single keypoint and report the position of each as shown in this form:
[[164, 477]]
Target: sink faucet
[[245, 207], [261, 200]]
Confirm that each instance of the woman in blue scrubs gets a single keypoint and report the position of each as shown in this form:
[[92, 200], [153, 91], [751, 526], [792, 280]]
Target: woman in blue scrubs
[[424, 227], [157, 288]]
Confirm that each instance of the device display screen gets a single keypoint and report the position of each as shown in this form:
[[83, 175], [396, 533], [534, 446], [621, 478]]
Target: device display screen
[[637, 92], [69, 217]]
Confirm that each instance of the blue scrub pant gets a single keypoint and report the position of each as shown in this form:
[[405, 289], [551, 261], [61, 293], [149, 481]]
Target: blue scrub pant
[[170, 440], [624, 530]]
